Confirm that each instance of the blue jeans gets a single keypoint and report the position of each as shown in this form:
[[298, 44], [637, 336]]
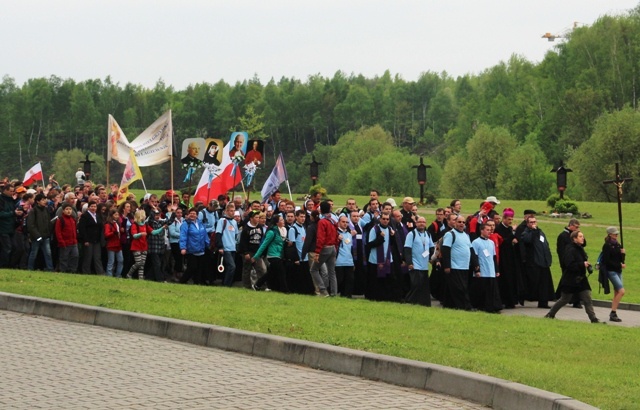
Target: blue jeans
[[119, 259], [45, 245], [229, 260], [616, 280]]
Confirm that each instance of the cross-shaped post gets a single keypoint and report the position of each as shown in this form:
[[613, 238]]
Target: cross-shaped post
[[618, 182]]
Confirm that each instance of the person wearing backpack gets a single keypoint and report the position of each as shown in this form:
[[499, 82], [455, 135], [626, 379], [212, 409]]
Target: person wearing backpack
[[418, 248], [437, 227], [67, 239], [457, 258], [226, 239], [613, 261]]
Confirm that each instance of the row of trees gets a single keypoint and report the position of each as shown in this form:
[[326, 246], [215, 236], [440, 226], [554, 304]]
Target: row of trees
[[498, 132]]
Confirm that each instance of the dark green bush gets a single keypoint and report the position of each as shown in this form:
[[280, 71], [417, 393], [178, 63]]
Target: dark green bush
[[566, 207]]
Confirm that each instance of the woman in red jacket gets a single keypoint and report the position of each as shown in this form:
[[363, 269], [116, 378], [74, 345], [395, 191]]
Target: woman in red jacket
[[67, 239], [114, 247]]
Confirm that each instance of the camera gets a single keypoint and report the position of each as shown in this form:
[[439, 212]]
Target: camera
[[590, 269]]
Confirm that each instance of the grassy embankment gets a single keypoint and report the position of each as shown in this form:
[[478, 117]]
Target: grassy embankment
[[592, 363]]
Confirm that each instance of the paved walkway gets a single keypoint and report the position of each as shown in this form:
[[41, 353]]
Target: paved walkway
[[54, 364], [630, 318]]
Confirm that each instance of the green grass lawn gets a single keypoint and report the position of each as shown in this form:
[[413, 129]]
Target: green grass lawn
[[592, 363]]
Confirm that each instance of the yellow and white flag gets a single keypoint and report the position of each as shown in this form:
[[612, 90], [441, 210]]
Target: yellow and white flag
[[131, 173], [153, 146], [118, 148]]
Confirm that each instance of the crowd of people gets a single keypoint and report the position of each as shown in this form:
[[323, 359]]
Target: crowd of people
[[381, 251]]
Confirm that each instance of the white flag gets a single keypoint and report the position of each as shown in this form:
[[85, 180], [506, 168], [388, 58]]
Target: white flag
[[153, 146], [278, 176]]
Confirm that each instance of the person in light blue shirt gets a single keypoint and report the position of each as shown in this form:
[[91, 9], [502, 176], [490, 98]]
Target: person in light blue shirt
[[484, 292], [227, 234], [209, 216], [299, 278], [456, 260], [381, 283], [344, 260], [418, 248]]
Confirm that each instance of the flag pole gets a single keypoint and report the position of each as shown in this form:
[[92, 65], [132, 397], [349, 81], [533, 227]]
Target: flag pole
[[143, 185], [171, 153], [289, 188]]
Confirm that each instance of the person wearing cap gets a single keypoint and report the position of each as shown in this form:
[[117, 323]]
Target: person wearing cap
[[574, 278], [537, 278], [209, 216], [492, 200], [7, 221], [613, 261], [479, 218], [408, 216]]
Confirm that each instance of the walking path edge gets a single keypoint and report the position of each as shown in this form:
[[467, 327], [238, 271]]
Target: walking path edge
[[490, 391]]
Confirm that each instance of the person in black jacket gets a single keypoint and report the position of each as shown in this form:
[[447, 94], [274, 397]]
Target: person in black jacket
[[613, 258], [574, 278], [537, 256], [90, 234], [561, 244], [38, 227]]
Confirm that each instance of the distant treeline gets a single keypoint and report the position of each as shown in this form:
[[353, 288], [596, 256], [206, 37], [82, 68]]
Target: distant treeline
[[485, 134]]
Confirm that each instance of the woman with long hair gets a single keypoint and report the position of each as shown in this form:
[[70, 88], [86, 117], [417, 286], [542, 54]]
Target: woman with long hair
[[613, 258], [273, 246]]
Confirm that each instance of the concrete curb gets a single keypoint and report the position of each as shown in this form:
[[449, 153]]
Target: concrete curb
[[489, 391], [622, 306]]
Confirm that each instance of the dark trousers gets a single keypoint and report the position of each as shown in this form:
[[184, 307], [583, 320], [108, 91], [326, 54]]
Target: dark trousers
[[196, 269], [177, 257], [6, 245], [345, 277], [92, 254], [419, 292], [155, 266], [457, 296], [275, 273]]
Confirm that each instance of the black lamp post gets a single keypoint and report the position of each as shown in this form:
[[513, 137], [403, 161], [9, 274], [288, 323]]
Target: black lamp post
[[86, 166], [422, 177], [313, 169], [561, 178]]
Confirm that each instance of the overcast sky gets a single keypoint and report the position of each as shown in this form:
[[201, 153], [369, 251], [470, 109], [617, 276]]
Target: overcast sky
[[192, 41]]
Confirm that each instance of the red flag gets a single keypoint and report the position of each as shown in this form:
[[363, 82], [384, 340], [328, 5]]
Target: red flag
[[220, 180], [33, 174]]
